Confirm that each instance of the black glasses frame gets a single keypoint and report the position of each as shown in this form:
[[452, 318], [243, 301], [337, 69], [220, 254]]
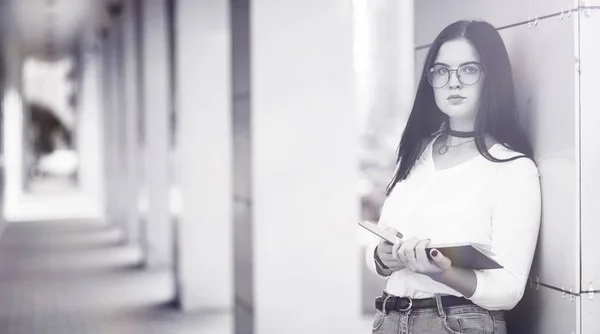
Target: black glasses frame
[[450, 70]]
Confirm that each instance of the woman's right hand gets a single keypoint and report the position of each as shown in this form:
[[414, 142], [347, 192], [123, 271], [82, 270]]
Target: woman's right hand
[[388, 252]]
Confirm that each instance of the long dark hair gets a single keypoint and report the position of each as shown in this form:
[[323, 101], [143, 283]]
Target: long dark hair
[[497, 115]]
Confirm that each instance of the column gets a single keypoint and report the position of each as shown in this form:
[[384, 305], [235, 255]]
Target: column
[[385, 81], [132, 155], [118, 123], [305, 168], [242, 171], [108, 98], [89, 137], [13, 125], [204, 165], [113, 119], [158, 233]]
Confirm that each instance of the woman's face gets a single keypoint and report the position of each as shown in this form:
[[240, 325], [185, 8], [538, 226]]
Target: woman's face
[[459, 99]]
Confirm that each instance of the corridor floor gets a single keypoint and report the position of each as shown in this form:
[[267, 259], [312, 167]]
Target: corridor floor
[[76, 277]]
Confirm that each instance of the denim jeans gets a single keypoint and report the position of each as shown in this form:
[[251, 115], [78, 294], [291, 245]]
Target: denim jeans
[[467, 319]]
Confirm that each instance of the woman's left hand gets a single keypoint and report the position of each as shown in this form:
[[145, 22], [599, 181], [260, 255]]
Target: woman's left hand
[[413, 254]]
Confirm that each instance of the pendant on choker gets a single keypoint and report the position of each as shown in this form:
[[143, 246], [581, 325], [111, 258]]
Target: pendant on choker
[[443, 149]]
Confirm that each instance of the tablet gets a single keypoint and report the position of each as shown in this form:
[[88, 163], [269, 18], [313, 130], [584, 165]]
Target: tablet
[[382, 233]]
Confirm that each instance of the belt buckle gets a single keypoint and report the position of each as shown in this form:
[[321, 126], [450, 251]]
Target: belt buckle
[[410, 305]]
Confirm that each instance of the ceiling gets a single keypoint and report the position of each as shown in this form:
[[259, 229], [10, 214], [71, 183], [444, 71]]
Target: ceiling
[[49, 29]]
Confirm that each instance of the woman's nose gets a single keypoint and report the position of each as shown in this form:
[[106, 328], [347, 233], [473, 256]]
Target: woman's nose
[[454, 82]]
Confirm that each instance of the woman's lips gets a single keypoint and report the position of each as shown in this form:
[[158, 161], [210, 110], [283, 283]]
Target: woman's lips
[[456, 98]]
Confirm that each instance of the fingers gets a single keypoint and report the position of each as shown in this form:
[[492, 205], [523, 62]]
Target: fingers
[[394, 232], [384, 250], [384, 246], [389, 248], [395, 249], [439, 259], [388, 254], [392, 229], [420, 252], [412, 254], [406, 253], [390, 262]]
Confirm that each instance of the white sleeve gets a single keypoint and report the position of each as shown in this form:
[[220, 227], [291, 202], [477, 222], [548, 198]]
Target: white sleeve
[[370, 258], [515, 227], [370, 253]]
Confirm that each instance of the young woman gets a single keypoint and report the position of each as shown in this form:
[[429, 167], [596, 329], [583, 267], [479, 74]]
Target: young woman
[[465, 173]]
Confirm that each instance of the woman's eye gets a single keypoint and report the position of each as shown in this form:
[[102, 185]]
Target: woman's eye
[[442, 70], [470, 69]]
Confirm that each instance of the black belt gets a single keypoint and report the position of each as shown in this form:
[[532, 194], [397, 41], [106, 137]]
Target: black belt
[[403, 304]]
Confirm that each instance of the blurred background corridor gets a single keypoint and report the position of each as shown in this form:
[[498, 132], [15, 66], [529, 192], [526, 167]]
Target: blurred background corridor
[[134, 169], [200, 166]]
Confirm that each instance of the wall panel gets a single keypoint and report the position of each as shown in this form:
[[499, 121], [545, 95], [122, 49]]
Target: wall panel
[[590, 148], [546, 7], [590, 308], [555, 312], [433, 15], [542, 57], [590, 164]]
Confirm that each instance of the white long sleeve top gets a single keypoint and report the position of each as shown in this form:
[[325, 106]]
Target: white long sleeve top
[[497, 204]]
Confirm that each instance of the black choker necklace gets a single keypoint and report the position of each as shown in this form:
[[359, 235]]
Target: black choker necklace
[[460, 134]]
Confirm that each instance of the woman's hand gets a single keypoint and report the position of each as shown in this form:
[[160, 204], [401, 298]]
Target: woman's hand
[[387, 252], [412, 253]]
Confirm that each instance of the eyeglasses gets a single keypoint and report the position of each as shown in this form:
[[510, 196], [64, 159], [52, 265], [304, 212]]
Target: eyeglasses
[[468, 74]]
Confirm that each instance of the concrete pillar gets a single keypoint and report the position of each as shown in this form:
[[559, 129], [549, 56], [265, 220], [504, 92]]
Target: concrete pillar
[[132, 154], [242, 171], [158, 233], [89, 132], [13, 124], [108, 110], [304, 147], [385, 82], [113, 123], [118, 123], [204, 166]]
